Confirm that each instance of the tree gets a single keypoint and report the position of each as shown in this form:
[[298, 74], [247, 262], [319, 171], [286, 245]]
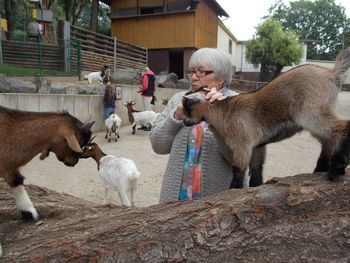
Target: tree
[[94, 15], [74, 9], [304, 218], [273, 49], [322, 21]]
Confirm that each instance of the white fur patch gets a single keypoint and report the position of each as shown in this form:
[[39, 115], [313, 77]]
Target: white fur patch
[[93, 76], [23, 201]]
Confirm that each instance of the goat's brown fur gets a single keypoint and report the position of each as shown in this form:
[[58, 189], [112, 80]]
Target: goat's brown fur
[[302, 98], [23, 135]]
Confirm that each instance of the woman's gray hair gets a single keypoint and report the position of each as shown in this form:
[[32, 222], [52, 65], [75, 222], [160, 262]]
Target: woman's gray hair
[[216, 60]]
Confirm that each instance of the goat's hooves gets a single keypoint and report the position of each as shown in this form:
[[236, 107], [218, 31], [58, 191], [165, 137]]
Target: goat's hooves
[[109, 140], [29, 215], [335, 177]]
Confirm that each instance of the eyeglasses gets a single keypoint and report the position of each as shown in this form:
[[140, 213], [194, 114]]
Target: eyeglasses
[[199, 73]]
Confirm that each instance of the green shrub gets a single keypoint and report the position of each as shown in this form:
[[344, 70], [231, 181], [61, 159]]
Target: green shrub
[[16, 71]]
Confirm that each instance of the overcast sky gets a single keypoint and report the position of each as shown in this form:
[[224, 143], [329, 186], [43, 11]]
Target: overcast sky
[[246, 15]]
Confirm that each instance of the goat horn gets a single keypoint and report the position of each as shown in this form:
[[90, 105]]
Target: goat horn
[[91, 139], [87, 125]]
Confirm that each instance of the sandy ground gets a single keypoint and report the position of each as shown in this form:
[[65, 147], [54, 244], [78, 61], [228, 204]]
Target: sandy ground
[[289, 157]]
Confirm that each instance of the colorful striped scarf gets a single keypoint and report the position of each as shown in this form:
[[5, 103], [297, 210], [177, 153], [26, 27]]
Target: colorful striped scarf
[[192, 174]]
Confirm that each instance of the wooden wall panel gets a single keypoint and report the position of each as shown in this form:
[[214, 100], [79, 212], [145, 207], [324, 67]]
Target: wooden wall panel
[[206, 27], [123, 4], [162, 31]]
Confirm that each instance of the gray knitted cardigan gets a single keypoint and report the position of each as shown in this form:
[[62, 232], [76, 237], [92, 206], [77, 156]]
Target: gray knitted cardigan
[[170, 136]]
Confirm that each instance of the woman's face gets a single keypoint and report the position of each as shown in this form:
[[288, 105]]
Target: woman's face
[[203, 76]]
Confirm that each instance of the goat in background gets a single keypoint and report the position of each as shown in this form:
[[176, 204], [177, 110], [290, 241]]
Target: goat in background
[[45, 132], [116, 173], [301, 99], [143, 118], [102, 76], [113, 124]]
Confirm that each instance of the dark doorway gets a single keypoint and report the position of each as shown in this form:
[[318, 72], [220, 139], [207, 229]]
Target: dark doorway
[[176, 61]]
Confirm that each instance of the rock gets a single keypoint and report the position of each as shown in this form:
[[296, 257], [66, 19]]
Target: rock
[[19, 86], [183, 84], [168, 81], [4, 85], [94, 89], [57, 88], [126, 76]]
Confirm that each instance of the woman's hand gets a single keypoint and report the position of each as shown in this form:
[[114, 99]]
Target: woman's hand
[[214, 95]]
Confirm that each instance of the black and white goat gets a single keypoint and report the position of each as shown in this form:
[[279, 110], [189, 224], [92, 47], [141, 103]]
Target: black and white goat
[[113, 124], [116, 173], [102, 76], [301, 99], [143, 118], [45, 132]]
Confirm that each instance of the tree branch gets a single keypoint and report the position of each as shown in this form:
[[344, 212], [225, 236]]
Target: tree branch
[[292, 219]]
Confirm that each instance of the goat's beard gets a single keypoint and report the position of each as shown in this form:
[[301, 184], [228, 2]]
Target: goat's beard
[[188, 121]]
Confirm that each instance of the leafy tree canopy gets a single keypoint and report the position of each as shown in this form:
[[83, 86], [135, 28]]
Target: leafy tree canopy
[[322, 21], [75, 11], [273, 49]]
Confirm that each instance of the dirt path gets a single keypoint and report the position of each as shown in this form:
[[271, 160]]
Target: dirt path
[[293, 156]]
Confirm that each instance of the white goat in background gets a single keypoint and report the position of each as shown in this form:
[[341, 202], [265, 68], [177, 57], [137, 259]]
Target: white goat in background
[[120, 174], [113, 124], [143, 118], [101, 76]]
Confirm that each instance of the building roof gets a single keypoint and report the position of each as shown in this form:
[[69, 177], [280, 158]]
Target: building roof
[[219, 9]]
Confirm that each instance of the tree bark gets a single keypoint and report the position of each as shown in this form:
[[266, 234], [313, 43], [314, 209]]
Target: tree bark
[[94, 16], [304, 218], [69, 7]]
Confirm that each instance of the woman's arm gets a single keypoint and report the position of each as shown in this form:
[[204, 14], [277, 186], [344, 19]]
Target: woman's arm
[[144, 83], [165, 130]]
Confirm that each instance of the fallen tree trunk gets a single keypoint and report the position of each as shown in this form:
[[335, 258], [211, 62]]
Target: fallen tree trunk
[[304, 218]]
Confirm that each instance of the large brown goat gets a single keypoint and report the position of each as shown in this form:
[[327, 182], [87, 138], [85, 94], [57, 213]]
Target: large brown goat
[[301, 99], [23, 135]]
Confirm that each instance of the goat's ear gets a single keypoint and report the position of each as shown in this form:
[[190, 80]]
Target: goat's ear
[[73, 143]]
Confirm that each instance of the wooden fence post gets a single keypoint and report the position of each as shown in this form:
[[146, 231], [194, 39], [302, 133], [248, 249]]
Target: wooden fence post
[[79, 58], [1, 61], [0, 43], [115, 55], [66, 45]]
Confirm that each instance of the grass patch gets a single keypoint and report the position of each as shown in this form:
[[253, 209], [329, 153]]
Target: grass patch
[[16, 71]]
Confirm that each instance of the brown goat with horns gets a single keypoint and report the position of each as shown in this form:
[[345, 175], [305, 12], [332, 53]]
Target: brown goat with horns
[[301, 99], [23, 135]]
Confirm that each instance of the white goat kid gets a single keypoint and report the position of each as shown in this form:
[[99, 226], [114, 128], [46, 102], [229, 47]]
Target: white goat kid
[[101, 76], [143, 118], [120, 174], [113, 124]]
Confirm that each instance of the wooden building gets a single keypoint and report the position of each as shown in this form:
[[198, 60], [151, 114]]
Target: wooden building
[[171, 30]]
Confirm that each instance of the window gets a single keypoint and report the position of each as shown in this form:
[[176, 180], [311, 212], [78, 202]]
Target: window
[[230, 46], [151, 10]]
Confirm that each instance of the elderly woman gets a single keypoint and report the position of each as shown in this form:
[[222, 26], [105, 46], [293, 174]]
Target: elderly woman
[[197, 165]]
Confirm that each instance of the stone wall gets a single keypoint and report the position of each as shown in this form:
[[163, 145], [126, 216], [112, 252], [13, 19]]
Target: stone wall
[[83, 106]]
